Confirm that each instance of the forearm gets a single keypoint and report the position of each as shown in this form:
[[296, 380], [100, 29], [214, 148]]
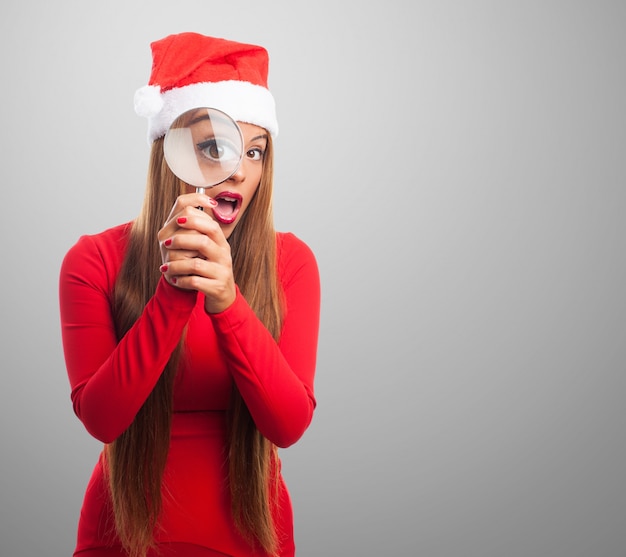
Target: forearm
[[276, 380], [279, 397], [111, 380]]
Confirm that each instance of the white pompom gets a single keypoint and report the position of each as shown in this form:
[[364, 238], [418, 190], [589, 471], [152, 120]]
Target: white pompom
[[148, 101]]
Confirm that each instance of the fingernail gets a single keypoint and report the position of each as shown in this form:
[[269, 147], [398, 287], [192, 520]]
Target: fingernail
[[181, 220], [173, 279], [168, 242], [212, 202], [163, 268]]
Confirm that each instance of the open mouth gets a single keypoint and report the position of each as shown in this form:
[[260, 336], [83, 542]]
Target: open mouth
[[228, 206]]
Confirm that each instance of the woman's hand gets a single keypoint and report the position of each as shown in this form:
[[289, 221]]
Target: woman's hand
[[195, 252]]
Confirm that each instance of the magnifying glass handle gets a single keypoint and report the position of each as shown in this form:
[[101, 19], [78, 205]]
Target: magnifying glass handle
[[200, 190]]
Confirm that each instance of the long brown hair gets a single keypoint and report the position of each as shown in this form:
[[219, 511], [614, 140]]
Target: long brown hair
[[136, 460]]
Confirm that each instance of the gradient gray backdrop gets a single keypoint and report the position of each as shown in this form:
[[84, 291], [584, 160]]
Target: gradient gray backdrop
[[457, 167]]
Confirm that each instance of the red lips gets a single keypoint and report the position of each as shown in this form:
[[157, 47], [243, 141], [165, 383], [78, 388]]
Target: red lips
[[228, 206]]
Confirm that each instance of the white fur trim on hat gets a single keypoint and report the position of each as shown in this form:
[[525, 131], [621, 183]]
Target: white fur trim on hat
[[241, 100]]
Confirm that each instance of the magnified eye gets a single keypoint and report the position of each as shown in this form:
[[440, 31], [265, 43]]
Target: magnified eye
[[216, 149]]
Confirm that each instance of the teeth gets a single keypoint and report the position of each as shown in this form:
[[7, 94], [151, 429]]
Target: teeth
[[229, 199]]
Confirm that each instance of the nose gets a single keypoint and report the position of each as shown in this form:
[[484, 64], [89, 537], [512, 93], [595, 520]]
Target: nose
[[239, 175]]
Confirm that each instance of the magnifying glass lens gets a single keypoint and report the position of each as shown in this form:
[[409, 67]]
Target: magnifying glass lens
[[203, 147], [219, 150]]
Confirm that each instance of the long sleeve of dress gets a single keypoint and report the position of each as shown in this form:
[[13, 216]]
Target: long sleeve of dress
[[110, 381], [276, 379]]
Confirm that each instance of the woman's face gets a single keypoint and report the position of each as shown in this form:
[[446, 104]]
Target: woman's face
[[234, 195]]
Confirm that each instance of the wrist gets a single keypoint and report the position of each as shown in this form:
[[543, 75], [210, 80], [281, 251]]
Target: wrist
[[213, 306]]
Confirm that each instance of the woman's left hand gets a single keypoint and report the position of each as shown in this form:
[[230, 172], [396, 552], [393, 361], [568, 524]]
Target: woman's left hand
[[211, 272]]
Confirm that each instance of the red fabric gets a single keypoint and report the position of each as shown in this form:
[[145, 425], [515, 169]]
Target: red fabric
[[111, 380], [177, 61]]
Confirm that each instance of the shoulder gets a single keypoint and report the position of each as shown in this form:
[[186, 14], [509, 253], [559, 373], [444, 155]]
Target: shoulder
[[290, 247], [294, 256], [111, 242], [101, 254]]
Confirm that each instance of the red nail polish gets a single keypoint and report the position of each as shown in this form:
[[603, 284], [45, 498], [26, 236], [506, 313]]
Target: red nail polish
[[163, 268], [168, 242], [181, 220], [173, 280]]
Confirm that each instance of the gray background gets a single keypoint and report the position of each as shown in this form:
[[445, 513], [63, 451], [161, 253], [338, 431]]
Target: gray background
[[457, 167]]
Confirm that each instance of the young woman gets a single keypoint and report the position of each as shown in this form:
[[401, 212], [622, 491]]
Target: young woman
[[190, 335]]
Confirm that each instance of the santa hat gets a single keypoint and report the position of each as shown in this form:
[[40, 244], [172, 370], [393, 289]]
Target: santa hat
[[190, 70]]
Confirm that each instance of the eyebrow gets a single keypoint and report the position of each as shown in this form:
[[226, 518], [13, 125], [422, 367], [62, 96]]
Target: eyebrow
[[199, 119], [262, 136], [202, 117]]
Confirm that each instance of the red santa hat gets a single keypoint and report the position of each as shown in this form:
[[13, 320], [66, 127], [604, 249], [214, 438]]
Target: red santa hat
[[190, 70]]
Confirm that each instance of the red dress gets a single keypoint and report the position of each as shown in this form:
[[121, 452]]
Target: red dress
[[111, 380]]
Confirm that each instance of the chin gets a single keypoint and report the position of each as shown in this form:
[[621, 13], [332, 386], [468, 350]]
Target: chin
[[228, 229]]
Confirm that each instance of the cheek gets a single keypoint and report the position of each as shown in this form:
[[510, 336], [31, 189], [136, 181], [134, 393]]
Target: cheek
[[245, 204], [248, 195], [252, 190]]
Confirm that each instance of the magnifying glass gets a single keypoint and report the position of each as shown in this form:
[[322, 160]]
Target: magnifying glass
[[203, 147]]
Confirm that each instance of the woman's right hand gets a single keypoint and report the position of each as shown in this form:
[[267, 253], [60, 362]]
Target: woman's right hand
[[196, 254], [172, 245]]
